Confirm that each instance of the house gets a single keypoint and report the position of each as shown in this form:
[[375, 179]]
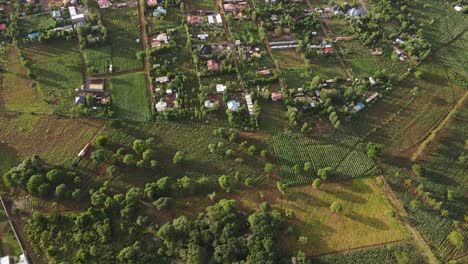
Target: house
[[276, 96], [7, 260], [215, 19], [104, 3], [94, 85], [202, 36], [160, 11], [79, 20], [235, 7], [359, 107], [372, 81], [151, 3], [161, 106], [376, 52], [3, 27], [399, 41], [33, 35], [220, 88], [208, 104], [194, 20], [372, 97], [72, 11], [80, 99], [159, 40], [206, 50], [328, 50], [354, 12], [459, 7], [213, 65], [56, 14], [233, 105], [264, 72], [163, 79], [347, 38], [248, 100]]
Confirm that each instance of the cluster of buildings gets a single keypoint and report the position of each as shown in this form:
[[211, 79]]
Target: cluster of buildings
[[157, 7], [92, 88]]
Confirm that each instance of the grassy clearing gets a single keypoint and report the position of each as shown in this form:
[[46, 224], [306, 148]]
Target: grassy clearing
[[123, 29], [129, 97], [8, 243], [362, 222], [20, 94], [58, 67], [363, 63], [98, 58], [344, 153], [57, 140], [288, 58]]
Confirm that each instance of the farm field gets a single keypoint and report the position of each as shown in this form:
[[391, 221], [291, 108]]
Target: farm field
[[23, 135], [345, 155], [129, 97], [193, 141], [58, 67], [19, 92], [123, 29]]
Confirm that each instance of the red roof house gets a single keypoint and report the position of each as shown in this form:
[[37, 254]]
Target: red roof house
[[328, 50], [152, 2], [213, 65], [194, 19], [276, 96], [3, 26]]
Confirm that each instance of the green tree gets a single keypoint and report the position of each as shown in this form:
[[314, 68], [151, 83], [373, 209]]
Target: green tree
[[373, 150], [418, 169], [307, 166], [112, 170], [164, 203], [248, 182], [316, 183], [325, 173], [390, 213], [282, 187], [61, 191], [336, 207], [98, 155], [178, 158], [456, 239], [139, 146], [115, 123], [251, 150], [101, 141], [225, 182], [129, 160]]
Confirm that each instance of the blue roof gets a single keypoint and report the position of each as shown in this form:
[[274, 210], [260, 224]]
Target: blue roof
[[33, 35]]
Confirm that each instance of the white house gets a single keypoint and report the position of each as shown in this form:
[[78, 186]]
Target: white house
[[233, 105], [220, 88]]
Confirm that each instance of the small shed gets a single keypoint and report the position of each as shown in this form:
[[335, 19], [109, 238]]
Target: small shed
[[220, 88], [276, 96], [359, 107], [161, 106]]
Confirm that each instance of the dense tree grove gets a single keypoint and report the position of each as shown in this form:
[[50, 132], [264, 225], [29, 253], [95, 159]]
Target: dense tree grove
[[223, 234]]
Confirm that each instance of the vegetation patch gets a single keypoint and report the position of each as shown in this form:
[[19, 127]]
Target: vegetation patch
[[129, 97], [57, 67]]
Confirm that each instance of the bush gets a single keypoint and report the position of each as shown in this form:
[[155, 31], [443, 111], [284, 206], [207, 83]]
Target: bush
[[325, 173], [456, 239], [390, 213], [101, 141], [248, 182], [316, 183], [418, 169], [164, 203], [115, 123], [98, 155], [336, 207], [178, 158], [112, 170]]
